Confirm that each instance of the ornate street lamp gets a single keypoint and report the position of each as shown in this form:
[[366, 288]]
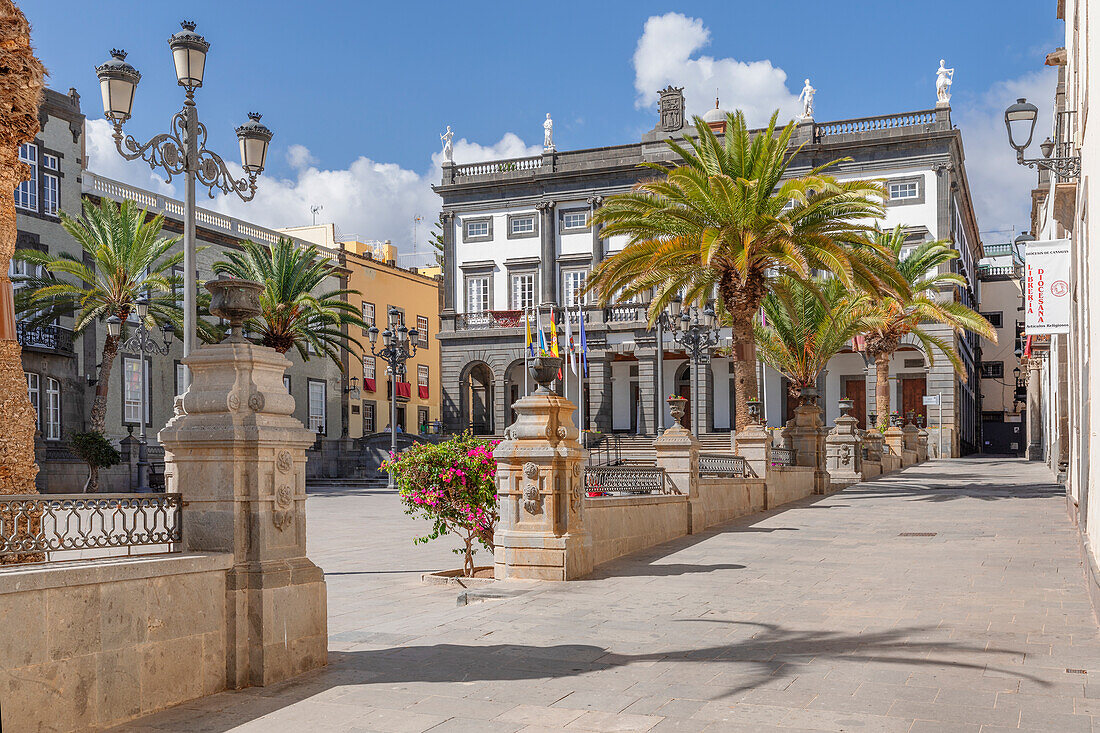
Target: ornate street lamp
[[398, 346], [143, 343], [183, 150], [696, 330], [1020, 121]]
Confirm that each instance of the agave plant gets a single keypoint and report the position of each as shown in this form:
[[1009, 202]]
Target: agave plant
[[727, 220], [924, 298], [295, 315], [803, 326]]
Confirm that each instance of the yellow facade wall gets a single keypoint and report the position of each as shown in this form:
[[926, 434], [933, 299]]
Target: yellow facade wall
[[382, 285]]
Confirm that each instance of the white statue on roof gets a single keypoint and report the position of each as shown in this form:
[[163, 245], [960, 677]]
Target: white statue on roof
[[807, 99], [944, 77], [448, 148], [548, 133]]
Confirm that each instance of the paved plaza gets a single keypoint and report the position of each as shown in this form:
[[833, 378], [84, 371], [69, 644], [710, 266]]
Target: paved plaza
[[948, 597]]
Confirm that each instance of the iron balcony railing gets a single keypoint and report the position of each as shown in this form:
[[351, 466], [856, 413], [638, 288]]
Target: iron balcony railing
[[54, 338], [782, 456], [43, 523], [626, 480], [721, 465]]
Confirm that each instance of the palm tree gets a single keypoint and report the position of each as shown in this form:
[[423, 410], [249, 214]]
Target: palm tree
[[803, 327], [293, 316], [914, 306], [724, 220], [129, 260]]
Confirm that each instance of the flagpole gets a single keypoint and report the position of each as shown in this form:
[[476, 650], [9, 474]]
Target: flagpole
[[526, 345]]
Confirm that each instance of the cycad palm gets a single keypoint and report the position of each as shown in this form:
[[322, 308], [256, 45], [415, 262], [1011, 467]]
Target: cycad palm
[[129, 259], [725, 221], [914, 306], [804, 327], [293, 315]]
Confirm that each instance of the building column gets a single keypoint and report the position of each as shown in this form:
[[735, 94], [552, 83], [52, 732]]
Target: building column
[[1034, 410], [595, 202], [450, 271], [598, 386], [647, 380], [548, 272], [702, 384]]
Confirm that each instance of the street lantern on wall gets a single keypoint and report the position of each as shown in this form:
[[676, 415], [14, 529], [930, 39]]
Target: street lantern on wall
[[1020, 121]]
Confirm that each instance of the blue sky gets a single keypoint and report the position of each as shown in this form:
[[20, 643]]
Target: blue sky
[[358, 92]]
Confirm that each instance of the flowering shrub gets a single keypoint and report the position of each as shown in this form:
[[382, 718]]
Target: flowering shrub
[[453, 484]]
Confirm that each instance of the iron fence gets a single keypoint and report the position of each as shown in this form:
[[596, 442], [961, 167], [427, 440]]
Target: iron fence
[[37, 523], [721, 465], [54, 338], [626, 480], [782, 456]]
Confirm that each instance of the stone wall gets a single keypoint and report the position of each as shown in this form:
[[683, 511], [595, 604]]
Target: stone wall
[[788, 483], [94, 643], [724, 499], [621, 525]]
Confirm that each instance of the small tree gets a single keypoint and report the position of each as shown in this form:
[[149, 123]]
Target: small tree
[[95, 450], [452, 484]]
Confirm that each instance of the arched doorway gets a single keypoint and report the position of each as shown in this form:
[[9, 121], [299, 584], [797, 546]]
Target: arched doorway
[[683, 388], [477, 398], [515, 387]]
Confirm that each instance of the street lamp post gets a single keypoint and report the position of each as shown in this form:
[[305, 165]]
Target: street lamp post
[[1020, 121], [697, 332], [143, 343], [183, 150], [398, 346]]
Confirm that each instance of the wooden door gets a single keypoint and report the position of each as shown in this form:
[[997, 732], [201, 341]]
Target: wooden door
[[912, 397], [856, 391]]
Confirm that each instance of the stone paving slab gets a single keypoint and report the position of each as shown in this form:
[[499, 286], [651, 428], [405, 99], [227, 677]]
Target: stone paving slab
[[830, 614]]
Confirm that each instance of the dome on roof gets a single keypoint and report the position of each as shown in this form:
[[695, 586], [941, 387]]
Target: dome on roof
[[716, 114]]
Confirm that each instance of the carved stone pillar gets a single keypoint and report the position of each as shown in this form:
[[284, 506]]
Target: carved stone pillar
[[678, 453], [894, 440], [754, 444], [922, 445], [910, 433], [238, 457], [548, 271], [540, 484], [873, 440], [844, 453]]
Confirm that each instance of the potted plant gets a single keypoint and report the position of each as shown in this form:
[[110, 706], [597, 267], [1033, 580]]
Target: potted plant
[[453, 485], [95, 450], [544, 369]]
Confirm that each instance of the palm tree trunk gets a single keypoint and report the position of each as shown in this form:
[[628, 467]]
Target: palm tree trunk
[[882, 386], [744, 367], [99, 406]]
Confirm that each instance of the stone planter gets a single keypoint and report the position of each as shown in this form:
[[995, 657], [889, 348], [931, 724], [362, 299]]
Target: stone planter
[[234, 300], [544, 370], [483, 576], [676, 406]]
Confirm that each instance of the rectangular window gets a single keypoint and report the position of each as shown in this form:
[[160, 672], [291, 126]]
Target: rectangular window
[[422, 330], [574, 220], [522, 224], [993, 370], [131, 389], [51, 194], [368, 316], [904, 190], [317, 406], [421, 375], [573, 287], [523, 291], [26, 193], [34, 396], [183, 379], [994, 318], [368, 417], [52, 428], [477, 294], [477, 229]]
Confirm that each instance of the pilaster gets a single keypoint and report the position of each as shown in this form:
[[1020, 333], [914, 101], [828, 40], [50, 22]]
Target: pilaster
[[548, 272], [450, 270]]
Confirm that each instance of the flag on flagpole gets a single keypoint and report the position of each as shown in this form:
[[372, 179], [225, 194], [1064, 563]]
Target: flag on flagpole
[[584, 345], [570, 347], [529, 345], [554, 337], [543, 347]]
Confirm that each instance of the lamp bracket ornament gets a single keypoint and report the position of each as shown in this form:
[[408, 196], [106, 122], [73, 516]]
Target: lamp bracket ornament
[[1067, 168]]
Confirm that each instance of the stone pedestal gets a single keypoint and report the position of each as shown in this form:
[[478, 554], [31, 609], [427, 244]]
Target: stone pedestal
[[678, 453], [922, 445], [844, 453], [894, 449], [754, 444], [238, 457], [807, 438], [540, 483], [910, 434]]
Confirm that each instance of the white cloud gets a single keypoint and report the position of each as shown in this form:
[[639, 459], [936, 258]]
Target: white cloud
[[1000, 187], [666, 55], [368, 199]]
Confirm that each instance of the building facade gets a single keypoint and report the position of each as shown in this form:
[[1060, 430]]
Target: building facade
[[518, 235], [1003, 395]]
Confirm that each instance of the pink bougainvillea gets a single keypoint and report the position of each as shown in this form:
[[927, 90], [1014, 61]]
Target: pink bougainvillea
[[453, 484]]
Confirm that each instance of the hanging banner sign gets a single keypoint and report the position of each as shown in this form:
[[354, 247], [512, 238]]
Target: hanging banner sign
[[1047, 287]]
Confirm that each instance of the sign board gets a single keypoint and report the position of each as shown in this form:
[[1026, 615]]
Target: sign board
[[931, 400], [1047, 287]]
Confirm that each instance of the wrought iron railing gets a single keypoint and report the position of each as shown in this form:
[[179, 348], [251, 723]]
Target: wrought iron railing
[[626, 480], [783, 456], [869, 124], [44, 337], [37, 523], [489, 319], [721, 465], [498, 166]]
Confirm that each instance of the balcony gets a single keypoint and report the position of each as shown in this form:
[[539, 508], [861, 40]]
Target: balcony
[[999, 272], [44, 338], [486, 320]]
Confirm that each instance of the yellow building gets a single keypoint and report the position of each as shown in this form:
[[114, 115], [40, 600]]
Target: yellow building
[[415, 294]]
